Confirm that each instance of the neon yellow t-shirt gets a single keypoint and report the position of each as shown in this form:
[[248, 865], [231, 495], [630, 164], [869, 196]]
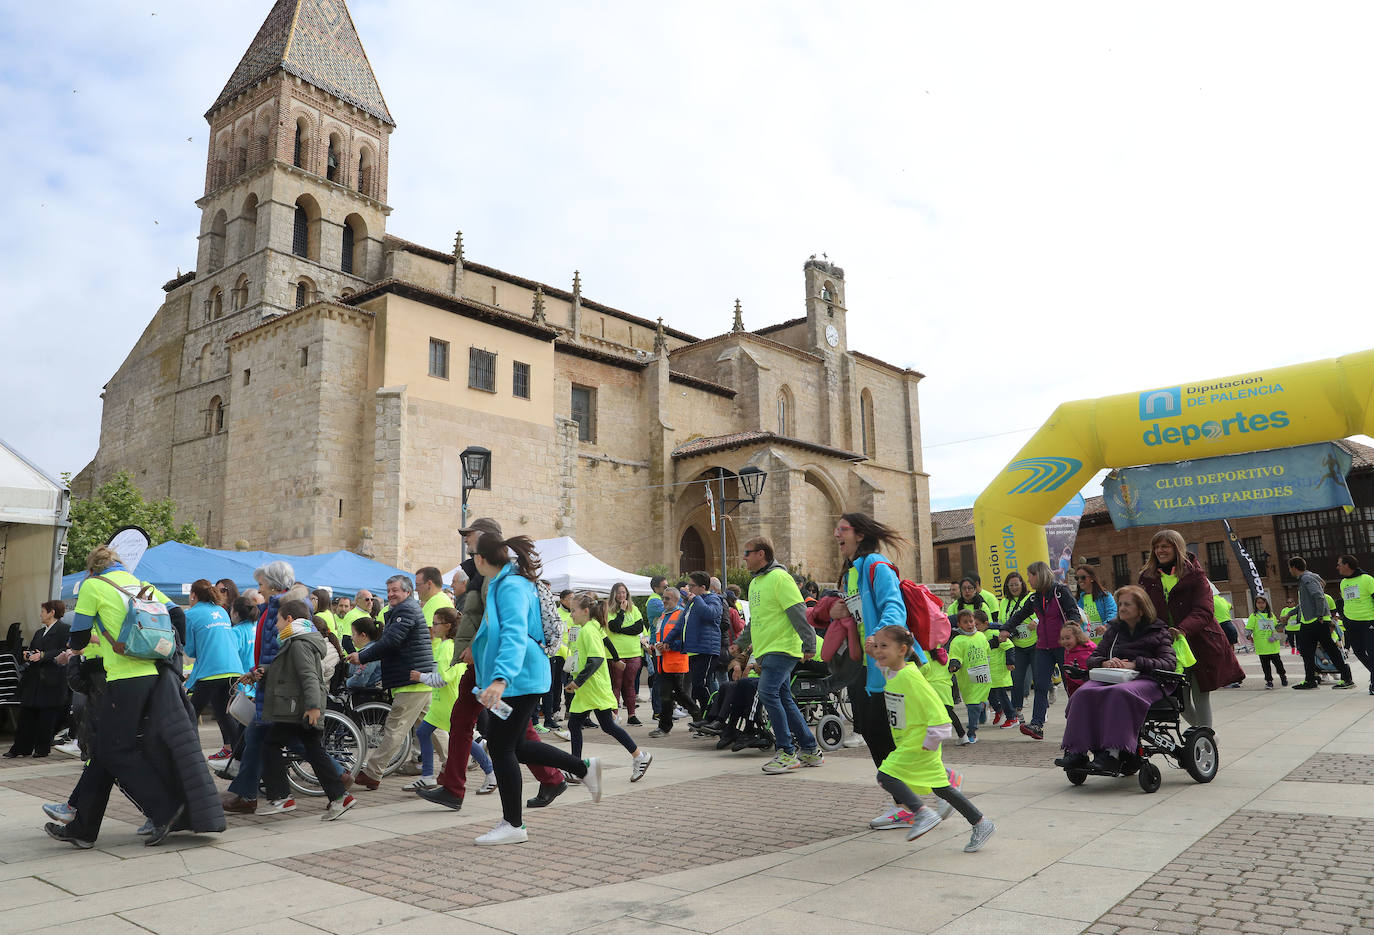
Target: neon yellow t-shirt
[[1183, 655], [595, 693], [1358, 594], [770, 630], [975, 666], [569, 633], [1263, 627], [434, 603], [101, 600], [912, 707], [627, 645], [997, 655], [441, 707], [1024, 635], [940, 679]]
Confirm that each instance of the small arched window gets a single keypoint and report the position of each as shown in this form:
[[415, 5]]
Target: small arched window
[[353, 257], [305, 228], [332, 159], [300, 151], [205, 362], [346, 261], [214, 417], [217, 303], [218, 226], [300, 232], [302, 294], [867, 430], [785, 414], [248, 226], [365, 171], [241, 292]]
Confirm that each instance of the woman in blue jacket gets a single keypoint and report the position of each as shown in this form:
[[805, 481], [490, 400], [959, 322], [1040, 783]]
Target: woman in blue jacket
[[210, 641], [508, 658], [872, 591], [1095, 601]]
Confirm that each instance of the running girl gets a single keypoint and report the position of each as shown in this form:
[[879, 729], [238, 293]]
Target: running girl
[[590, 685], [918, 726], [444, 680]]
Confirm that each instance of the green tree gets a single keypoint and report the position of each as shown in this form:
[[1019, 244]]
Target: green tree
[[118, 503]]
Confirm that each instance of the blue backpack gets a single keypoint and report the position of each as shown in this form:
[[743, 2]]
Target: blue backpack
[[147, 631]]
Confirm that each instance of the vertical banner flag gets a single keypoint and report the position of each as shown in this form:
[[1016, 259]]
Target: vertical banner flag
[[1060, 534], [1246, 561]]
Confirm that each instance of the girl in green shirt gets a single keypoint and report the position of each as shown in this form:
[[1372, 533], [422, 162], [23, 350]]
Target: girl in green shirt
[[1357, 591], [1264, 633], [590, 684]]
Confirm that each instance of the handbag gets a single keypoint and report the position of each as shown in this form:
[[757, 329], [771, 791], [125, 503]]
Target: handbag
[[241, 706], [1112, 676]]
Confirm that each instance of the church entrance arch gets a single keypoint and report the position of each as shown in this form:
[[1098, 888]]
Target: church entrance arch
[[693, 551], [1279, 408]]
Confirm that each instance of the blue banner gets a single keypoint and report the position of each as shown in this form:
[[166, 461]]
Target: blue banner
[[1260, 483]]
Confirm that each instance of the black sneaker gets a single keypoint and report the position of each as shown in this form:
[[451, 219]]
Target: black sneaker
[[1072, 761], [160, 832], [61, 833], [1304, 686], [1034, 731], [441, 796], [546, 795], [633, 721], [1346, 684]]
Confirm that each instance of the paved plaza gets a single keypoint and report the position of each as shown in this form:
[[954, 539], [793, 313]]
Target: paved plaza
[[1281, 841]]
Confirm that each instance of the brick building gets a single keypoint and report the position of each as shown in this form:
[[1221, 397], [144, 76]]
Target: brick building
[[1318, 536], [311, 385]]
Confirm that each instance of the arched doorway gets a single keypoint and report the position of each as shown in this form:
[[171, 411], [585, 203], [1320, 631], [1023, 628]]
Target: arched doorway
[[693, 551]]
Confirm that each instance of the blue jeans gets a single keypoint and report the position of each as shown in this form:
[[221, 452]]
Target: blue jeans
[[775, 689], [1044, 663], [1021, 677], [245, 784], [975, 717]]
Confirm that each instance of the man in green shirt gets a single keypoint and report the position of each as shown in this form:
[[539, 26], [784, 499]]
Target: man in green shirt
[[781, 637], [429, 587]]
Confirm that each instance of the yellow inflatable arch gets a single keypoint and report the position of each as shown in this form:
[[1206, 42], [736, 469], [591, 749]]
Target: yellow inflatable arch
[[1297, 405]]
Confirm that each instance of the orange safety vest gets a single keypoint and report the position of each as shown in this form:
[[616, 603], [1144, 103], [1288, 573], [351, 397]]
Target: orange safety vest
[[671, 660]]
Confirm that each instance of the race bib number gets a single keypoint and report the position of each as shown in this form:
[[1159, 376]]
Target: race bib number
[[856, 608], [896, 710], [981, 674], [1266, 627], [1351, 592]]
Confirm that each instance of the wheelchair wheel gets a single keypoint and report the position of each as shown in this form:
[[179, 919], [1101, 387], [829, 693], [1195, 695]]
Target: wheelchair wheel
[[830, 732], [1077, 776], [842, 706], [1149, 777], [1199, 755], [343, 741], [372, 717]]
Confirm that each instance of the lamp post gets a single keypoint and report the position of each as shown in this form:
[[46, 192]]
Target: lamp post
[[751, 480], [476, 469]]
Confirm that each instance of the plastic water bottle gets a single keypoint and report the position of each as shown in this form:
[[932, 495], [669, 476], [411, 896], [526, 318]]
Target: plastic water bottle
[[500, 709]]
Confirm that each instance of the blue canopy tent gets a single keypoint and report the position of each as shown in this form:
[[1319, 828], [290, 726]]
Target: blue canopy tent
[[172, 566]]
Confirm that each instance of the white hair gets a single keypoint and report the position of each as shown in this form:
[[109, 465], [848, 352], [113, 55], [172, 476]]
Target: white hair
[[277, 576]]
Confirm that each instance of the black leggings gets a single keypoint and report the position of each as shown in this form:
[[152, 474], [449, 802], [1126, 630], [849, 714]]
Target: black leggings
[[954, 720], [903, 794], [607, 725], [508, 748], [870, 721], [215, 693], [1359, 636], [1277, 662]]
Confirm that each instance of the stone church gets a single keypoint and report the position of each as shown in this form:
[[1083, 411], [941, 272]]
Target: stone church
[[310, 386]]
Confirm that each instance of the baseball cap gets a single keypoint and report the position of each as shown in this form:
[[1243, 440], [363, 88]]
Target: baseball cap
[[485, 524]]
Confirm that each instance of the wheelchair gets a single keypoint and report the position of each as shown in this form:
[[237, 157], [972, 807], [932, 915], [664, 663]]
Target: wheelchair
[[1193, 749], [822, 703]]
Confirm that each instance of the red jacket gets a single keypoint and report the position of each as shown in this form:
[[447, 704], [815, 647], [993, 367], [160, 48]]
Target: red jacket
[[1189, 608], [1078, 656]]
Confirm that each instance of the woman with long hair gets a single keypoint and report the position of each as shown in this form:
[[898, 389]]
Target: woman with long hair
[[228, 592], [1178, 588], [1095, 601], [1014, 594], [211, 643], [509, 660], [1357, 591], [1052, 605], [623, 626], [589, 683], [872, 592]]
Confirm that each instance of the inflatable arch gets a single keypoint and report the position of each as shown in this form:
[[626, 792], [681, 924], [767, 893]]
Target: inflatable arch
[[1296, 405]]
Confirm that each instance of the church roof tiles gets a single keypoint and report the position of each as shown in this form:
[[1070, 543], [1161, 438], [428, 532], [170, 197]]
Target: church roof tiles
[[314, 40], [713, 443]]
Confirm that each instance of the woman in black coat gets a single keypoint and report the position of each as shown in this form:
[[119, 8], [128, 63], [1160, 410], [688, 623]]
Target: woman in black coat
[[43, 694]]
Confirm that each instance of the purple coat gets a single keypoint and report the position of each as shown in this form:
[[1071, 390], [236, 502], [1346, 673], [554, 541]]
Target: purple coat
[[1150, 646], [1189, 608]]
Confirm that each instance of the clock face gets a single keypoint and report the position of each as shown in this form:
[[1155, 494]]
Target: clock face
[[832, 335]]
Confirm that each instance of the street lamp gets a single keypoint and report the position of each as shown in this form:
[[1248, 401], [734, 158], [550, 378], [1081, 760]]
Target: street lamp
[[751, 479], [476, 476]]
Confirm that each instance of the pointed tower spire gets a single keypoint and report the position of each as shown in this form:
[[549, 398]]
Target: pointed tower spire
[[315, 40], [539, 305], [660, 339], [577, 305], [458, 247], [738, 326], [456, 282]]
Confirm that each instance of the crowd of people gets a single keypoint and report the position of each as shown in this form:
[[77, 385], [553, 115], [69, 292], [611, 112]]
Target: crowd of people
[[498, 656]]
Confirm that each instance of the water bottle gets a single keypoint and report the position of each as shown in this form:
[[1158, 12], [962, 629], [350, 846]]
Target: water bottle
[[500, 709]]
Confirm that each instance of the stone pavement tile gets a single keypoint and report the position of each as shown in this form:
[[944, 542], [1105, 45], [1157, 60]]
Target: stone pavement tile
[[791, 922], [77, 909], [103, 925], [363, 916], [60, 860], [1336, 767], [922, 900], [1133, 850], [729, 904], [1112, 796], [631, 926], [1180, 815], [318, 836], [80, 880], [471, 819], [1066, 891], [986, 921], [208, 913], [713, 874], [1025, 843], [1319, 798], [837, 863], [27, 892], [232, 878], [206, 859], [560, 913]]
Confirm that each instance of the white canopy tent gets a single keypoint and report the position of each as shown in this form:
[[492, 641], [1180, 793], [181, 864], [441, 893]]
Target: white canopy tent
[[33, 530], [568, 566]]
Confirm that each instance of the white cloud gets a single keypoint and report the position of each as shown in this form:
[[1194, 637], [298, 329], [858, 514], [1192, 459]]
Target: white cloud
[[1032, 203]]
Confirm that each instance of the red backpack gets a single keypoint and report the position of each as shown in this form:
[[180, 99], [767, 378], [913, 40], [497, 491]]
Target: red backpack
[[925, 615]]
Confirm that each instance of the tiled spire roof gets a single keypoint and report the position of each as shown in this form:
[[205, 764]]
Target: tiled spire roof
[[315, 41]]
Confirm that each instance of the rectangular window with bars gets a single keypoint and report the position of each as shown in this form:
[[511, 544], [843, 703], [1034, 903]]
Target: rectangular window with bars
[[481, 370], [1254, 547], [584, 412], [520, 381], [1121, 572], [438, 358], [1218, 569]]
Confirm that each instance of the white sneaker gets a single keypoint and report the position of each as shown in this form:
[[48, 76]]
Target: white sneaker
[[896, 817], [944, 809], [640, 766], [504, 833], [924, 821], [963, 741], [678, 713], [593, 778], [415, 785], [981, 832], [277, 807], [337, 807], [488, 784], [71, 748], [561, 733]]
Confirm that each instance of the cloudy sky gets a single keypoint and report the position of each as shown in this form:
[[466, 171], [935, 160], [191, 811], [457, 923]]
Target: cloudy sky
[[1032, 202]]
